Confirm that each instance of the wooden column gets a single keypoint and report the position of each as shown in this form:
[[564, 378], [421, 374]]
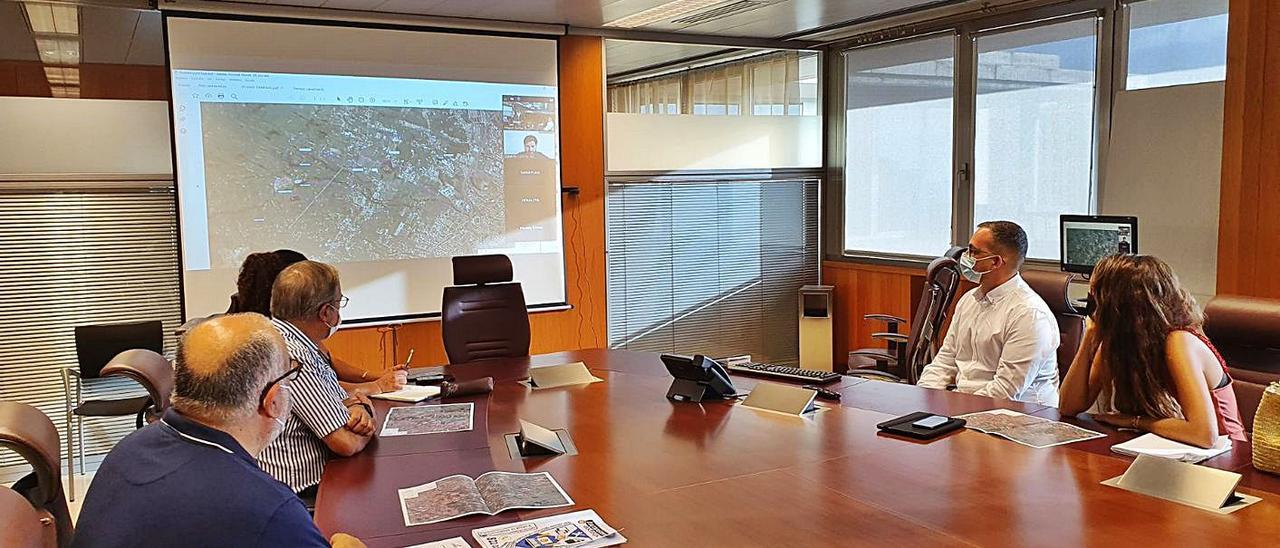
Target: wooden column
[[1249, 221]]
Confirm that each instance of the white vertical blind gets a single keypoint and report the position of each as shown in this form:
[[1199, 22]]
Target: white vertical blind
[[80, 253], [710, 267]]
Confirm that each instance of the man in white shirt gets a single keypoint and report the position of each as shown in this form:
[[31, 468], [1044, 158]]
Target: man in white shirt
[[1003, 340]]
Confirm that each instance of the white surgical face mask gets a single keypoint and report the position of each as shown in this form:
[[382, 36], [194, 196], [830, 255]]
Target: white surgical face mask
[[332, 328], [275, 432], [967, 262]]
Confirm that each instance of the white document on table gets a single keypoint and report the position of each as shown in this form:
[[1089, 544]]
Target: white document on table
[[1156, 446], [582, 529]]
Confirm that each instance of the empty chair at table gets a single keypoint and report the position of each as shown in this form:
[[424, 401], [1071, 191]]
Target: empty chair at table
[[484, 313]]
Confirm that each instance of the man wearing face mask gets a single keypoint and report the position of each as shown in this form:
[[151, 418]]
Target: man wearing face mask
[[191, 476], [1003, 338], [306, 304]]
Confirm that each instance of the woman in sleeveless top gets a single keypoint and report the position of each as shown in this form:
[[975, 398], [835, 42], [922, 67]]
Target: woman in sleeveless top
[[1145, 363]]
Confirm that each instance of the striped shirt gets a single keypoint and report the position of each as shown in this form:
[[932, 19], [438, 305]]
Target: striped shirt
[[297, 456]]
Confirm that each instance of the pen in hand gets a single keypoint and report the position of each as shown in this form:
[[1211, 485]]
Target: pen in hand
[[402, 371]]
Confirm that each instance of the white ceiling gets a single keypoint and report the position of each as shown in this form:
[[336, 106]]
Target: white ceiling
[[120, 35], [773, 20], [776, 18]]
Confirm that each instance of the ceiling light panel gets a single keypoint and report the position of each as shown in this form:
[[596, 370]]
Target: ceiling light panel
[[59, 51], [52, 18]]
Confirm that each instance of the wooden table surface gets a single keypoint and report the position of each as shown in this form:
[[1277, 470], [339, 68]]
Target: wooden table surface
[[717, 474]]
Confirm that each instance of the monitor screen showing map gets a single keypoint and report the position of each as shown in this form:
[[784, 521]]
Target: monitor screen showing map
[[382, 152], [1087, 239]]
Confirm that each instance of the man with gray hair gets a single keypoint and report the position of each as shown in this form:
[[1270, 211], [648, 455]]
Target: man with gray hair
[[1003, 340], [191, 476], [306, 305]]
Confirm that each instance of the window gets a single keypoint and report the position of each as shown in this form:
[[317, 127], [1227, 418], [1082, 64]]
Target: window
[[1033, 148], [775, 84], [656, 96], [1174, 42], [898, 153], [994, 118]]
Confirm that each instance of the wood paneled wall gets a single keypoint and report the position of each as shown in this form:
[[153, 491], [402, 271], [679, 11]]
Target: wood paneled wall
[[868, 289], [1249, 219], [97, 81], [582, 166]]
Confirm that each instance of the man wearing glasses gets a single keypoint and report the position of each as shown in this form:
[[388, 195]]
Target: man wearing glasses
[[1003, 340], [191, 477], [306, 304]]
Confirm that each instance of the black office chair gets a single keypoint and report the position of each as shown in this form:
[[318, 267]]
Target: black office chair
[[895, 342], [941, 283], [96, 346]]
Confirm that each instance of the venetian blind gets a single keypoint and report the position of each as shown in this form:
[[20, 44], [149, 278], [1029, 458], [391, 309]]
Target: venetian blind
[[80, 253], [710, 267]]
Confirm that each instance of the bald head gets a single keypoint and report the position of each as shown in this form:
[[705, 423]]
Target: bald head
[[223, 364]]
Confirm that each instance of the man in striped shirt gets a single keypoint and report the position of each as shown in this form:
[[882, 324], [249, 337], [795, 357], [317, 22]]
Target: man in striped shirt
[[306, 302]]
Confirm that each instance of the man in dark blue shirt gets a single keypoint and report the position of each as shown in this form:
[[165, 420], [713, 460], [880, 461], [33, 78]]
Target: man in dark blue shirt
[[190, 479]]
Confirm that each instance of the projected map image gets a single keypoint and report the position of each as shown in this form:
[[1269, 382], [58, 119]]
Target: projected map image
[[1088, 246], [352, 183]]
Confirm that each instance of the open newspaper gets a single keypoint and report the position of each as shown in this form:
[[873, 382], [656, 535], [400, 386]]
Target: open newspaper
[[491, 493], [1030, 431], [582, 529]]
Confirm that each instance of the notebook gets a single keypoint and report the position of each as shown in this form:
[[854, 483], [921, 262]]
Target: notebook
[[411, 394]]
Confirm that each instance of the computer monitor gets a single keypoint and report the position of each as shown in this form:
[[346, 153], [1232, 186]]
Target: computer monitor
[[1086, 239]]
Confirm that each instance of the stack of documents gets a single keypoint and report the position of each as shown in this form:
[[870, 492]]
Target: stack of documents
[[582, 529], [1156, 446]]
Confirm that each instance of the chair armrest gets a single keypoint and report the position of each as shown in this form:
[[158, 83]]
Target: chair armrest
[[891, 337], [877, 355], [884, 318], [874, 375]]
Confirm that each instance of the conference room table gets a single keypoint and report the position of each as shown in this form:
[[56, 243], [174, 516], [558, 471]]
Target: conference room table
[[719, 474]]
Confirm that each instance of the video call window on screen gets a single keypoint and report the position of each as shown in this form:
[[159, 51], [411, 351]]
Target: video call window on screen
[[1087, 239]]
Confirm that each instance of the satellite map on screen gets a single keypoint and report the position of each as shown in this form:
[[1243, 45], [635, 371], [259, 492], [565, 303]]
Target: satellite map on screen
[[351, 183], [1087, 246]]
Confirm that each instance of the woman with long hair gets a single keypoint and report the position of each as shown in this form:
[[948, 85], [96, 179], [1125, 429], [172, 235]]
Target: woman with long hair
[[1145, 362], [257, 273]]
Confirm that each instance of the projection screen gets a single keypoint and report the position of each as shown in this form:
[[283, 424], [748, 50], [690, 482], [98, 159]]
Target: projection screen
[[383, 152]]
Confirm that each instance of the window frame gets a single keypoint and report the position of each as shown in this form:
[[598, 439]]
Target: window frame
[[965, 30]]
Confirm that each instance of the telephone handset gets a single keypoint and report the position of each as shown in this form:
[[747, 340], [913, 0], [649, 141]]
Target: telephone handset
[[698, 378]]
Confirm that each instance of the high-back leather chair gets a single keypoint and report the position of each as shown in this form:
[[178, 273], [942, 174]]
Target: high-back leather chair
[[484, 314], [1246, 331], [1052, 286], [895, 342], [28, 432], [23, 527], [942, 281], [152, 371]]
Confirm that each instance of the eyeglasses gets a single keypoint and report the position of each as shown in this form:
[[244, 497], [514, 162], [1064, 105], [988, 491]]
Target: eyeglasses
[[294, 369], [341, 302]]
